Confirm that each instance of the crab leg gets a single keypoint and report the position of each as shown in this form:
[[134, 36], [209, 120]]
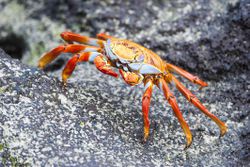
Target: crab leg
[[73, 37], [148, 88], [172, 101], [68, 48], [71, 64], [187, 75], [193, 99], [103, 36], [103, 65]]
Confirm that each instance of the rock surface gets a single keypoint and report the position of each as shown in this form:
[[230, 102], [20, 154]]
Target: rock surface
[[96, 120]]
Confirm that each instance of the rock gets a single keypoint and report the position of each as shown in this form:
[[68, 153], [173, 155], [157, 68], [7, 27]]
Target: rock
[[96, 120]]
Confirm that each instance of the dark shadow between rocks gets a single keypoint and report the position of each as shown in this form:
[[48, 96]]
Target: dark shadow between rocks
[[13, 45]]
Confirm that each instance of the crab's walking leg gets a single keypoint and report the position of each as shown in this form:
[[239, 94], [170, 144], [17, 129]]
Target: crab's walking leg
[[71, 64], [103, 36], [193, 99], [172, 101], [103, 65], [187, 75], [131, 78], [69, 48], [148, 87], [73, 37]]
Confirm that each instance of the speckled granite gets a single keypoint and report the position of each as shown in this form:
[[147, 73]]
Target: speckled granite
[[96, 121]]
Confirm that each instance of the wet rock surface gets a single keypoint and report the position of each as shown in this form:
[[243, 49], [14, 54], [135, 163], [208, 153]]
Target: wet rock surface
[[96, 120]]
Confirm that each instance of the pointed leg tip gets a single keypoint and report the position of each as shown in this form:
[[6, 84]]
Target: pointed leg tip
[[64, 83], [188, 144], [223, 131], [186, 147], [41, 66], [144, 140], [202, 86], [145, 137]]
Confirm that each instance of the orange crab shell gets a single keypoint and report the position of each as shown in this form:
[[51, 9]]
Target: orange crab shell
[[132, 52]]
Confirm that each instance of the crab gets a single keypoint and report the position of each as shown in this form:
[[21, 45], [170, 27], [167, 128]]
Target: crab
[[136, 64]]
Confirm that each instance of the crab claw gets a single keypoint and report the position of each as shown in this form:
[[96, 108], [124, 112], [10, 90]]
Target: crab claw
[[103, 65], [131, 78]]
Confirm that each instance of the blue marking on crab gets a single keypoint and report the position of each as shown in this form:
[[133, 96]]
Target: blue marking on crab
[[144, 68], [147, 85], [149, 69], [93, 56], [135, 66], [123, 61], [110, 54]]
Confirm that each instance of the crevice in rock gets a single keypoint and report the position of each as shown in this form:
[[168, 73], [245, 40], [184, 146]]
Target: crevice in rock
[[14, 45]]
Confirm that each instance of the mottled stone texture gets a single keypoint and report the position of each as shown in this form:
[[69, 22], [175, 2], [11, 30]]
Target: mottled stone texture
[[96, 120]]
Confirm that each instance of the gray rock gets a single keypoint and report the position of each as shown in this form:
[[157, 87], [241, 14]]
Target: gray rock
[[96, 120]]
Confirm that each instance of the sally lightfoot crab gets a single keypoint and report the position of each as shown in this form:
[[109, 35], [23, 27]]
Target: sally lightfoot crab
[[136, 65]]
